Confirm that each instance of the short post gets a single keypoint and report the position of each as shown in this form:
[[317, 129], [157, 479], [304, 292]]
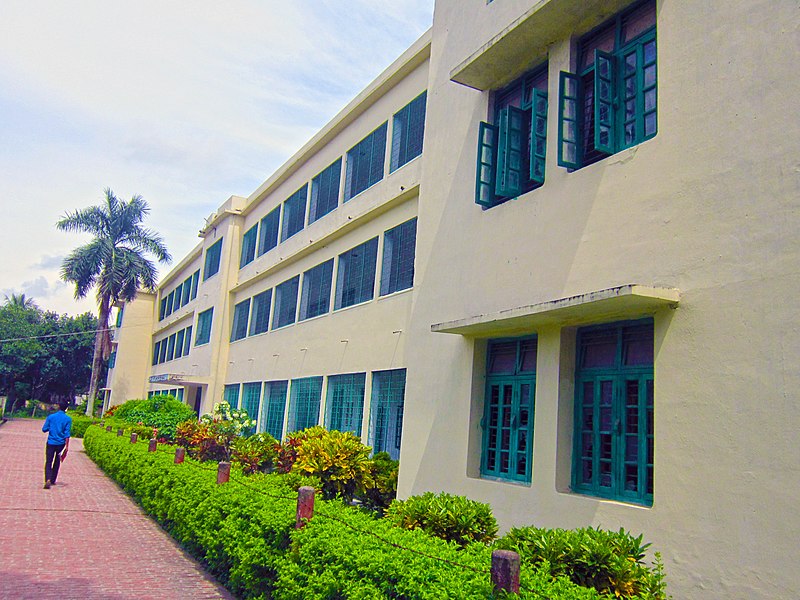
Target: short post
[[180, 454], [108, 428], [223, 472], [305, 506], [153, 445], [505, 571], [133, 437], [120, 432]]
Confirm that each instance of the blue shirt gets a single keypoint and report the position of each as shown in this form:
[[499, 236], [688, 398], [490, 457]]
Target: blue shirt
[[59, 425]]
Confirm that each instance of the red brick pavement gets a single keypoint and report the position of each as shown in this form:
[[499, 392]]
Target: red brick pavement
[[83, 538]]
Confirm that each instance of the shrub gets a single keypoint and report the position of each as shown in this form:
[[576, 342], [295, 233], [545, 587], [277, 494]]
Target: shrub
[[608, 561], [338, 458], [383, 473], [164, 413], [80, 423], [453, 518], [255, 453], [200, 440], [287, 454]]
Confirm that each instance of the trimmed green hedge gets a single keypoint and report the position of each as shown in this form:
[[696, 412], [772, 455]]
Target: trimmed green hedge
[[245, 536], [80, 423]]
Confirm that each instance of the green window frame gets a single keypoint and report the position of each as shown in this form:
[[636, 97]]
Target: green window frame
[[269, 230], [120, 310], [386, 411], [365, 163], [249, 241], [512, 150], [179, 341], [195, 282], [187, 291], [509, 409], [204, 320], [171, 347], [325, 191], [304, 401], [170, 300], [162, 356], [213, 256], [259, 321], [614, 400], [344, 407], [408, 130], [156, 352], [315, 299], [230, 394], [162, 308], [610, 103], [294, 213], [176, 301], [187, 341], [285, 312], [241, 316], [251, 400], [355, 276], [399, 249], [273, 408], [112, 360]]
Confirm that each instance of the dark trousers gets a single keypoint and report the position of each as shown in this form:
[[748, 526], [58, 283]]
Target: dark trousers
[[52, 460]]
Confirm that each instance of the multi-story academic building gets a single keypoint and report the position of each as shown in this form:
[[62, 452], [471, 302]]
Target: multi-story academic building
[[550, 260]]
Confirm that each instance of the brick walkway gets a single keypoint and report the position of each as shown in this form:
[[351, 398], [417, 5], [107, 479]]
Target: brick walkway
[[106, 548]]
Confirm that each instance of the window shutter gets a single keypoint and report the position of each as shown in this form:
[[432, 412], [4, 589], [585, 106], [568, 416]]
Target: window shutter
[[604, 98], [509, 163], [487, 164], [570, 95], [538, 135]]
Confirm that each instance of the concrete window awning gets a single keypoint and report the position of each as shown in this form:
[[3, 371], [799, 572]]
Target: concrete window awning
[[178, 379], [617, 303]]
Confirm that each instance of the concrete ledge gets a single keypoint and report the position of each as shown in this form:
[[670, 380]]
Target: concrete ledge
[[623, 302]]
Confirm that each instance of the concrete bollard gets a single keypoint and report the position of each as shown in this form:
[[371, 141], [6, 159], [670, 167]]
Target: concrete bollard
[[108, 428], [120, 432], [180, 454], [305, 506], [134, 437], [505, 571], [223, 472], [152, 445]]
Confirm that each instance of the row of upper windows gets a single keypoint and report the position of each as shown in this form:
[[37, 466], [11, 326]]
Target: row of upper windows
[[266, 402], [613, 411], [176, 393], [173, 346], [608, 105], [355, 283], [364, 167], [181, 296]]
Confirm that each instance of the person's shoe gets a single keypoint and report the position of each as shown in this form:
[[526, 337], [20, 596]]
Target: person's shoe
[[47, 484]]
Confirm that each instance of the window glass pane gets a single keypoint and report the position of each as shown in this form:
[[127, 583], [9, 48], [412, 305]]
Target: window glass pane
[[598, 348], [294, 213], [399, 245], [286, 303], [268, 234], [325, 191], [213, 255], [602, 39], [637, 345], [638, 21], [249, 240], [355, 280], [304, 403], [241, 314], [345, 402], [528, 351], [502, 357], [316, 296], [386, 411], [273, 408], [259, 322], [365, 163]]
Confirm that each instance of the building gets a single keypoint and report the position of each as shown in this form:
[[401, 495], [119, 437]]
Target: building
[[599, 326]]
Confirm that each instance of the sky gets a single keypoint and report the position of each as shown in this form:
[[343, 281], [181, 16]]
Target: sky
[[184, 103]]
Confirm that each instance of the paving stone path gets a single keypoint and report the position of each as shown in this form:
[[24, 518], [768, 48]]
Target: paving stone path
[[83, 538]]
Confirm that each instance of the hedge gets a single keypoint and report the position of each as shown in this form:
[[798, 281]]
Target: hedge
[[244, 535]]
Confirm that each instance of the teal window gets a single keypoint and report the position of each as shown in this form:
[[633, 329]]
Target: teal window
[[286, 303], [213, 255], [511, 150], [325, 191], [171, 347], [162, 309], [316, 297], [508, 409], [273, 408], [231, 394], [180, 394], [268, 232], [610, 103], [176, 300], [170, 300], [162, 355], [119, 316], [112, 359], [355, 278], [204, 327], [294, 213], [195, 281], [613, 432], [365, 163], [241, 314], [259, 321], [386, 411], [179, 340], [345, 402], [156, 352], [408, 128], [397, 267], [304, 403], [249, 240], [187, 341], [251, 399], [187, 291]]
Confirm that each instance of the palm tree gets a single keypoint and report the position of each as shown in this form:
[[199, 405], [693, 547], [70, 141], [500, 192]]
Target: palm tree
[[114, 262], [21, 301]]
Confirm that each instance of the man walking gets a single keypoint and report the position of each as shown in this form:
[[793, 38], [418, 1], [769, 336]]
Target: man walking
[[58, 425]]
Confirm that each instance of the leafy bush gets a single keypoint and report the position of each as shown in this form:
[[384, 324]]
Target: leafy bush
[[200, 440], [80, 423], [383, 473], [339, 459], [245, 536], [255, 453], [453, 518], [610, 562], [164, 413], [287, 454]]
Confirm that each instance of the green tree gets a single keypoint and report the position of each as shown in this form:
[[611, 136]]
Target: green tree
[[114, 262], [20, 300], [20, 348]]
